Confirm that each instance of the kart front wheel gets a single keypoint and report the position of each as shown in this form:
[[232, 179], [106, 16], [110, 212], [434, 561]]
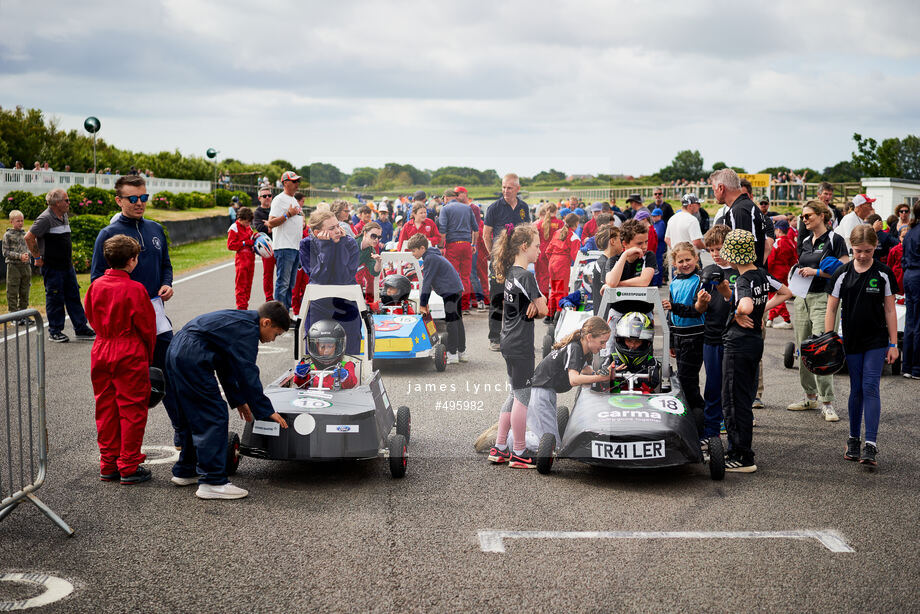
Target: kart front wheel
[[440, 357], [789, 355], [562, 419], [545, 453], [233, 452], [398, 455], [403, 422], [716, 458]]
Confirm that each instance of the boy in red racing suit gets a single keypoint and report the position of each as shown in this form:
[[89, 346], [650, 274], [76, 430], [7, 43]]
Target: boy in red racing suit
[[240, 240]]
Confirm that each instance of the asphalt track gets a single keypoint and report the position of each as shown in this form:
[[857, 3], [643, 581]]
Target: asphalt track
[[347, 537]]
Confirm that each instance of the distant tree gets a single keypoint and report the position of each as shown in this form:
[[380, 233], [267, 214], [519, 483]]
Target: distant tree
[[362, 177], [738, 169], [687, 164], [910, 157], [550, 176], [842, 172], [322, 174], [865, 158], [446, 179], [287, 166], [889, 158], [718, 166]]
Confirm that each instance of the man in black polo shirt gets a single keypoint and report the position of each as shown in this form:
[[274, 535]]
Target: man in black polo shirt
[[509, 209], [49, 242], [739, 212]]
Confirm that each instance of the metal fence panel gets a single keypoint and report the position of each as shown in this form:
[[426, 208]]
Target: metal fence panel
[[23, 431]]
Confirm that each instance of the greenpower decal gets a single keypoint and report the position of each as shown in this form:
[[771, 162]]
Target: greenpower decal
[[627, 401]]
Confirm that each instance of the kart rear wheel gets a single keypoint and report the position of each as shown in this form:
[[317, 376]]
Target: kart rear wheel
[[545, 453], [403, 422], [398, 455], [233, 452], [789, 355], [562, 418], [716, 458], [440, 357]]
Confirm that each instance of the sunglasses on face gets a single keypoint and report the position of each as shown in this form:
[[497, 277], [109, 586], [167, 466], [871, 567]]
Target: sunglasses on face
[[133, 199], [807, 216], [903, 211], [265, 195], [375, 237]]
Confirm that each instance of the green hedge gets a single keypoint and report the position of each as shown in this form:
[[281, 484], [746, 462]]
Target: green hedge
[[186, 200], [83, 232], [30, 204], [224, 196]]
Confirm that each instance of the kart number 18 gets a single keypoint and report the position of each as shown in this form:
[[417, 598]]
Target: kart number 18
[[627, 450]]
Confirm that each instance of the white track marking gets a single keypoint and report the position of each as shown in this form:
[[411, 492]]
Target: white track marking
[[493, 541], [55, 590], [173, 455]]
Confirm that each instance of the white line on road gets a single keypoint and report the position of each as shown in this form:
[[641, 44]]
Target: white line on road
[[55, 590], [493, 541], [172, 454]]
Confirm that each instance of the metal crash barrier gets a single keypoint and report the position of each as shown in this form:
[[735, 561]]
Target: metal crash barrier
[[23, 432]]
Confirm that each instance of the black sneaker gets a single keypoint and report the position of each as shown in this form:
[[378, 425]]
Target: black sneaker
[[141, 475], [109, 477], [525, 460], [738, 465], [58, 337], [852, 453], [87, 334], [868, 455]]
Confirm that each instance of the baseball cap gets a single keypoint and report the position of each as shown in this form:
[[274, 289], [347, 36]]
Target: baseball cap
[[235, 199], [781, 224], [597, 207], [420, 195], [642, 215], [579, 211], [657, 211], [634, 198], [689, 199], [289, 176], [763, 199], [383, 207], [459, 189], [564, 212], [862, 199]]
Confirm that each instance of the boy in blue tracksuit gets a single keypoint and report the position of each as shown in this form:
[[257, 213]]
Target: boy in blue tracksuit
[[224, 342], [440, 276], [687, 303]]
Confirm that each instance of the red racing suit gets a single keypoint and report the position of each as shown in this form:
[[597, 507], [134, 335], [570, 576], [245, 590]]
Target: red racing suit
[[239, 240], [561, 252], [120, 312]]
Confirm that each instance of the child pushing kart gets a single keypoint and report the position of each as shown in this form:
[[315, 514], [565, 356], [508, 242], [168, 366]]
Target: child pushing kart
[[224, 343]]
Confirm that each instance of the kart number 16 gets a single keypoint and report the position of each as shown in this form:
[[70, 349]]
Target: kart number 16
[[627, 450]]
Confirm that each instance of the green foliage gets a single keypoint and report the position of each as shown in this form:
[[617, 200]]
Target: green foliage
[[865, 158], [92, 200], [446, 179], [910, 157], [223, 197], [718, 166], [399, 175], [892, 158], [322, 175], [83, 232], [550, 176], [188, 200], [468, 176], [362, 177], [30, 204], [842, 172], [686, 165]]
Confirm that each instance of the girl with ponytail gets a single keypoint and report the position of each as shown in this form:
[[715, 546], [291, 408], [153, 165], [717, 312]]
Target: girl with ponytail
[[563, 368], [517, 249]]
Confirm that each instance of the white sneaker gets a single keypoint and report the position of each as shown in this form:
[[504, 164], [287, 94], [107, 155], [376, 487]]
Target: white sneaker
[[827, 410], [463, 357], [782, 324], [769, 323], [804, 404], [184, 481], [224, 491], [452, 359]]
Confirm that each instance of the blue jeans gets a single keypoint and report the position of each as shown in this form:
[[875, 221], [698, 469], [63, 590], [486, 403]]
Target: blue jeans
[[286, 265], [910, 362], [712, 394], [62, 290], [865, 373]]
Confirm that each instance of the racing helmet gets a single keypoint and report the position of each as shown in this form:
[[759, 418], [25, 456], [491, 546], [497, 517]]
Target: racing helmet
[[326, 332], [634, 325], [157, 386], [401, 288], [262, 246], [824, 354]]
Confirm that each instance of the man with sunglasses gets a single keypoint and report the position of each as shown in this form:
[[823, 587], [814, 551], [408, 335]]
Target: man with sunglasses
[[49, 242], [154, 271], [286, 221], [260, 224], [660, 203]]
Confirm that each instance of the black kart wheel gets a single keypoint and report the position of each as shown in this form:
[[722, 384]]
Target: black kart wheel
[[789, 355], [562, 419], [403, 422], [398, 455], [233, 452], [545, 453], [716, 458], [440, 357]]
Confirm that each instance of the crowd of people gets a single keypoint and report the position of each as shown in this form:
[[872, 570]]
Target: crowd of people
[[728, 281], [45, 167]]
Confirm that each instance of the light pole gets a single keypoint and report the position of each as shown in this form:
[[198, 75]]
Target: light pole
[[212, 154], [92, 125]]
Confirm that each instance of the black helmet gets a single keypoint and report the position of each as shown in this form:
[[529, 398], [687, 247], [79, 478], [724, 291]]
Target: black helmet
[[157, 386], [712, 276], [401, 288], [824, 354], [324, 332], [634, 325]]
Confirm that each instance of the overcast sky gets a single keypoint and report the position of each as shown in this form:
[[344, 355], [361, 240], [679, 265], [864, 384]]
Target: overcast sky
[[615, 86]]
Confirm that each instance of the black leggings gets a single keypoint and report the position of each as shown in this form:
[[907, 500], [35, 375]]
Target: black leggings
[[739, 384], [689, 352], [453, 316]]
